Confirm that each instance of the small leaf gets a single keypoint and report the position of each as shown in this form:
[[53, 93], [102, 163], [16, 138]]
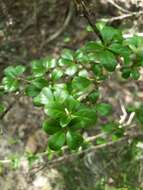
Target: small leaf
[[104, 109], [10, 84], [38, 68], [57, 141], [67, 58], [97, 69], [83, 73], [93, 97], [49, 63], [81, 56], [120, 49], [57, 73], [80, 83], [2, 108], [46, 96], [32, 91], [60, 92], [84, 117], [74, 140], [108, 60], [126, 72], [134, 43], [51, 126], [139, 114], [109, 33], [55, 109], [71, 70], [110, 127], [13, 72], [93, 47], [135, 74], [67, 54], [65, 120]]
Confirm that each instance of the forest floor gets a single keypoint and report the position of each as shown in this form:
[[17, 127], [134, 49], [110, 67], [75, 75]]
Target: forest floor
[[33, 29]]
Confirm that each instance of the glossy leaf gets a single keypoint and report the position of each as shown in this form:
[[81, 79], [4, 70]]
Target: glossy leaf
[[103, 109], [74, 140], [51, 126], [57, 141], [13, 72], [108, 60], [10, 84]]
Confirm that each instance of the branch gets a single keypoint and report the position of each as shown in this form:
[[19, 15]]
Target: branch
[[59, 31], [124, 16], [81, 7], [118, 6]]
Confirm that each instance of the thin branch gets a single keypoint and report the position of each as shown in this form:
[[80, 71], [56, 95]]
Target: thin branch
[[59, 160], [81, 7], [124, 16], [118, 6], [59, 31]]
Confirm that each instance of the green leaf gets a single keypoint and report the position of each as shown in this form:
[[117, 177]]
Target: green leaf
[[83, 73], [135, 74], [120, 49], [35, 87], [32, 91], [37, 101], [59, 110], [57, 141], [10, 84], [81, 56], [38, 68], [84, 117], [57, 73], [93, 97], [74, 140], [80, 83], [103, 109], [46, 96], [135, 43], [39, 83], [65, 120], [97, 69], [49, 63], [109, 33], [67, 58], [139, 114], [67, 54], [93, 47], [55, 109], [126, 71], [71, 70], [2, 108], [51, 126], [13, 72], [108, 60], [110, 127], [63, 62], [60, 92]]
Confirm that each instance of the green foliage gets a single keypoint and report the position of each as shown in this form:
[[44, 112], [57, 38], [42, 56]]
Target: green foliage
[[67, 88]]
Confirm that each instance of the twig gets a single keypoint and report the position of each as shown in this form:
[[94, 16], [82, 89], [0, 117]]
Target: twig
[[10, 106], [59, 31], [125, 16], [118, 6], [123, 117], [80, 4], [59, 160], [7, 110]]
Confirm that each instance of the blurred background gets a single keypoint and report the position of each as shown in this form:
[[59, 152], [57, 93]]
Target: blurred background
[[31, 29]]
